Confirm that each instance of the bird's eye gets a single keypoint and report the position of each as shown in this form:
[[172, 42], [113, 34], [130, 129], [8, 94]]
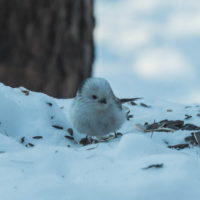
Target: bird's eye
[[94, 96]]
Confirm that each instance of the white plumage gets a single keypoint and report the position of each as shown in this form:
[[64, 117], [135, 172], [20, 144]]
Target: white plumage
[[95, 110]]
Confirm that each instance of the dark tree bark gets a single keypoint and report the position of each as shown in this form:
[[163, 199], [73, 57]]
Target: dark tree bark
[[46, 45]]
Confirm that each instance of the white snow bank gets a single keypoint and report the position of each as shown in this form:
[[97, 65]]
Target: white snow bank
[[30, 115], [58, 169]]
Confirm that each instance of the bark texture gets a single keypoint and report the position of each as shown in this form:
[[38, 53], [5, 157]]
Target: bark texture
[[46, 45]]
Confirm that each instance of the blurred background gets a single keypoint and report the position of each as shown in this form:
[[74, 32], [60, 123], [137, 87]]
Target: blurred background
[[146, 48], [46, 45], [150, 48]]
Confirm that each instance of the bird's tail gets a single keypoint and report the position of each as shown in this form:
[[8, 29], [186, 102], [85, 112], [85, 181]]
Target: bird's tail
[[129, 99]]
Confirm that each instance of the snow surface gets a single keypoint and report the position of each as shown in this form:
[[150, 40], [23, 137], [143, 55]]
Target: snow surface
[[59, 169]]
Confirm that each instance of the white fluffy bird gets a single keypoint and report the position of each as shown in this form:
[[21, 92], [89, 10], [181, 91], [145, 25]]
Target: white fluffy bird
[[95, 110]]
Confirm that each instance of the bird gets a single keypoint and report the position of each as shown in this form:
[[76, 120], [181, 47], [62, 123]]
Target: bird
[[95, 110]]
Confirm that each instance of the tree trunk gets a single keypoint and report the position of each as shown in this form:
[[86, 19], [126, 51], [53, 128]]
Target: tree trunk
[[46, 45]]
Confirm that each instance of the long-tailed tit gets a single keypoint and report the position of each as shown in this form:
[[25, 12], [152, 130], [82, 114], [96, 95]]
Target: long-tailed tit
[[95, 110]]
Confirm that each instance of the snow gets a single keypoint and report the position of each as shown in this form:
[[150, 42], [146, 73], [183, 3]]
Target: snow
[[150, 51], [29, 115], [58, 168]]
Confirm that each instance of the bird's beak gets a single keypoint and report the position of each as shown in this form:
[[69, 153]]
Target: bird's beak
[[103, 101]]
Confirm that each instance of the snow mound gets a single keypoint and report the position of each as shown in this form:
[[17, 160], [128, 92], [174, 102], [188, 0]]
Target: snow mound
[[136, 146], [25, 115], [38, 162]]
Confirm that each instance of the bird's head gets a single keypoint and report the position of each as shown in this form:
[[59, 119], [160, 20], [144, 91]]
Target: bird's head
[[97, 93]]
